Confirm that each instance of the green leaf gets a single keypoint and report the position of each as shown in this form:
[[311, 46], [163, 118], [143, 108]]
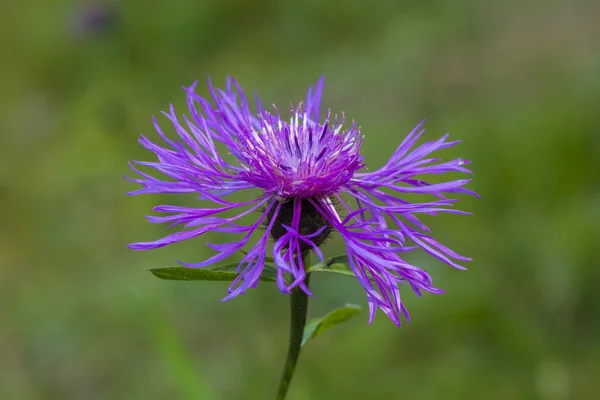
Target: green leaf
[[219, 273], [337, 265], [338, 268], [333, 318]]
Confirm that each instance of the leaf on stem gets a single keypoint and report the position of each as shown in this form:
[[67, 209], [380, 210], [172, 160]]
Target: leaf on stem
[[225, 272], [335, 317]]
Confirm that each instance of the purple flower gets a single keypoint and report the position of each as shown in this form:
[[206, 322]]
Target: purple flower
[[299, 173], [93, 17]]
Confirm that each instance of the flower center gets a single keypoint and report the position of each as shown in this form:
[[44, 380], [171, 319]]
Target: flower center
[[299, 158]]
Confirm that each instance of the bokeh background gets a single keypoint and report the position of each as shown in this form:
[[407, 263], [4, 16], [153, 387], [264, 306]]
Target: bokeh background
[[517, 81]]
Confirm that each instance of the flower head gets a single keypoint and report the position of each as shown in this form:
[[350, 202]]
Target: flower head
[[302, 166]]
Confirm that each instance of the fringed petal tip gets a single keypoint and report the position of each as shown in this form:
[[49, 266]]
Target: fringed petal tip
[[142, 246], [192, 87]]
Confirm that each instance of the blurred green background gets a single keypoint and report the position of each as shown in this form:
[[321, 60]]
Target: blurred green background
[[517, 81]]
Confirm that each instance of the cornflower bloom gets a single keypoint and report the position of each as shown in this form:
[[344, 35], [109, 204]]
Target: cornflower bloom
[[301, 167]]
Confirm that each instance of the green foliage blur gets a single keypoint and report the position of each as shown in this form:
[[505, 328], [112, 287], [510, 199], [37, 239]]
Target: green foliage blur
[[517, 81]]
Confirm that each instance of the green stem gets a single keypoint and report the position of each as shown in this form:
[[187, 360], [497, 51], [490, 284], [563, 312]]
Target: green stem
[[298, 308]]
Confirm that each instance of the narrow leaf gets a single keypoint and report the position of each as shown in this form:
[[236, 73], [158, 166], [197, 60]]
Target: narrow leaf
[[335, 317], [337, 268], [337, 265], [341, 259], [218, 273]]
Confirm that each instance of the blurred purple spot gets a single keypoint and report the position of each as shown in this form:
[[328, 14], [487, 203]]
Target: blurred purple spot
[[92, 18]]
